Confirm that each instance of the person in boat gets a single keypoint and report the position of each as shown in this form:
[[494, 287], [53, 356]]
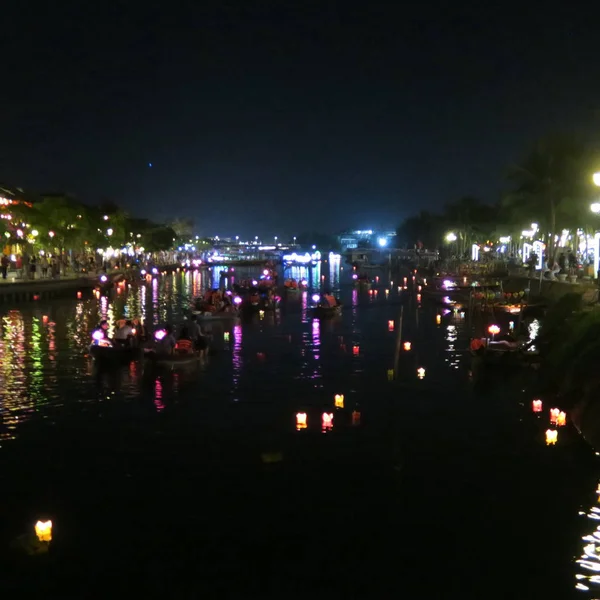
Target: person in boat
[[141, 332], [125, 334], [103, 328], [167, 344], [184, 344]]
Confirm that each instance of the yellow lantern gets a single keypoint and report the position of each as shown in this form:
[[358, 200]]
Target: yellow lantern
[[261, 314], [301, 421], [387, 293], [43, 530], [551, 437], [407, 346], [421, 373], [561, 419], [438, 319], [554, 415], [339, 400], [390, 374]]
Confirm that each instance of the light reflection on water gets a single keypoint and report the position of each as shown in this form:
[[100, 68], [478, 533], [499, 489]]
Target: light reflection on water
[[587, 575]]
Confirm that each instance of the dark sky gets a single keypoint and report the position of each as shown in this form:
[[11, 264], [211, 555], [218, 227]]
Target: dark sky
[[278, 117]]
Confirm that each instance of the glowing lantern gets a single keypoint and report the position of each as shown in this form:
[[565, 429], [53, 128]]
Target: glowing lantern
[[44, 318], [424, 281], [537, 406], [390, 325], [355, 417], [494, 329], [98, 335], [301, 421], [160, 335], [418, 297], [339, 400], [551, 437], [387, 293], [554, 412], [390, 374], [561, 419], [421, 373], [78, 295], [407, 346], [438, 319], [377, 279], [327, 421], [370, 292], [43, 530], [237, 300], [226, 336], [261, 314], [405, 280], [36, 297], [418, 288], [103, 278], [355, 350], [511, 325]]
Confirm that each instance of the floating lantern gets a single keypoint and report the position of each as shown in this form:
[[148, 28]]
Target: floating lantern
[[78, 295], [536, 406], [390, 374], [339, 400], [418, 297], [405, 280], [237, 300], [261, 314], [561, 419], [301, 421], [551, 437], [438, 319], [511, 325], [494, 329], [391, 325], [407, 346], [103, 278], [43, 530], [387, 293], [355, 276], [160, 335], [421, 373], [226, 336], [355, 350], [391, 284], [44, 319], [399, 289], [355, 417], [36, 297], [377, 279], [554, 412], [370, 292], [424, 281], [418, 288], [327, 422]]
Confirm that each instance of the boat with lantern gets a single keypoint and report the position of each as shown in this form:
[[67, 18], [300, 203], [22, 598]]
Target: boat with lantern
[[362, 280], [326, 307], [105, 351], [172, 361]]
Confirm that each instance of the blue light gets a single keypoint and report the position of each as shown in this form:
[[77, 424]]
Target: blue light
[[150, 165], [382, 241]]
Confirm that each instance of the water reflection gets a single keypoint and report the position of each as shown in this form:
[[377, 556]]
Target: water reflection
[[587, 574]]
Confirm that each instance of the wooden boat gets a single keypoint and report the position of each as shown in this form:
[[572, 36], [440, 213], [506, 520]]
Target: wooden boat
[[114, 354], [172, 361], [326, 312]]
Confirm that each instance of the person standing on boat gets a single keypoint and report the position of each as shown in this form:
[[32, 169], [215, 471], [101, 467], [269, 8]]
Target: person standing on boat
[[125, 334]]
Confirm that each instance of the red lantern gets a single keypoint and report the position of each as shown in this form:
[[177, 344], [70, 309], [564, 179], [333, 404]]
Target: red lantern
[[536, 406], [355, 350]]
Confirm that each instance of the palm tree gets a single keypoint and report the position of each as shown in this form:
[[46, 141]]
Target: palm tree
[[553, 186], [470, 219]]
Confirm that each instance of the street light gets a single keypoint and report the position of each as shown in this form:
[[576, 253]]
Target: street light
[[596, 178], [451, 237], [34, 232], [595, 208], [109, 232]]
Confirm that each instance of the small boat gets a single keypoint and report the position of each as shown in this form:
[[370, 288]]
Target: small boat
[[172, 361], [215, 316], [326, 312], [114, 354]]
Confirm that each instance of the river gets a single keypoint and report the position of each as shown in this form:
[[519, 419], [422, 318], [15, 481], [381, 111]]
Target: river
[[205, 482]]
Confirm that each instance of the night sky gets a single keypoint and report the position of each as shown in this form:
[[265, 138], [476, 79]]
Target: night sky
[[266, 119]]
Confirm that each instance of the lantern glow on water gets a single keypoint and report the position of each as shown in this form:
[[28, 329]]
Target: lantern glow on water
[[301, 421], [43, 530], [536, 406], [407, 346], [327, 422], [339, 400], [551, 437]]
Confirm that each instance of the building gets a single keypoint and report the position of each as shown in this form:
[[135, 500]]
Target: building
[[366, 238]]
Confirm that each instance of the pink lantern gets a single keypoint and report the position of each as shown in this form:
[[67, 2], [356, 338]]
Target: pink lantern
[[536, 406], [98, 335], [390, 325], [554, 412], [327, 421]]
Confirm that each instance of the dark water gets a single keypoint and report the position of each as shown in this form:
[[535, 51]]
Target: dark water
[[198, 484]]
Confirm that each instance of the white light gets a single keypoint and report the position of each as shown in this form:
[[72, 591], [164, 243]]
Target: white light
[[475, 252], [451, 237], [596, 179], [382, 242], [109, 232], [595, 208]]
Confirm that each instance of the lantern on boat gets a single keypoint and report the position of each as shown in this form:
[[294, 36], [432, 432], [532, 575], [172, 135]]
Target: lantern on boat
[[494, 329], [407, 346], [438, 319], [237, 300], [355, 417], [339, 400], [327, 422], [421, 373], [536, 406], [43, 530], [554, 415], [98, 335], [551, 437], [301, 421], [390, 325], [561, 419], [355, 350], [390, 374]]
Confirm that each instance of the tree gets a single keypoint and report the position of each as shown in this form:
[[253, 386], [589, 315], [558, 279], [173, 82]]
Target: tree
[[425, 227], [552, 186], [471, 220]]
